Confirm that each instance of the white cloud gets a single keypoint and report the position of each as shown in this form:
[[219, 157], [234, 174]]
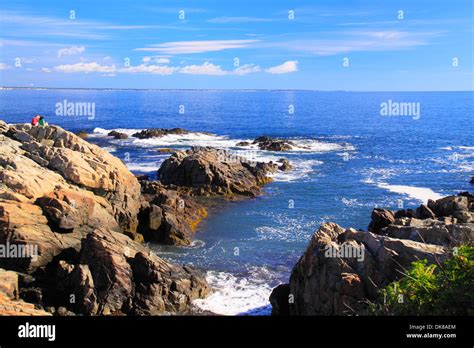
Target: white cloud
[[156, 60], [4, 66], [204, 69], [70, 51], [107, 58], [286, 67], [150, 69], [46, 70], [186, 47], [85, 68]]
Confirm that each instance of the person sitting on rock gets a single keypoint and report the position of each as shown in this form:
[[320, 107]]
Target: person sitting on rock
[[42, 121], [35, 120]]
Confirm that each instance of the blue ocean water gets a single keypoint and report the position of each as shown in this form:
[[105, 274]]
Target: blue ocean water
[[350, 158]]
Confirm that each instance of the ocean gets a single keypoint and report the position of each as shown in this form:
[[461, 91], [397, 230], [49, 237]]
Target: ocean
[[350, 157]]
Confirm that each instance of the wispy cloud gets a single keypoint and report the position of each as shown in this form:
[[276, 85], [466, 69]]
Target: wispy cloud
[[285, 68], [85, 68], [150, 69], [187, 47], [206, 68], [4, 66], [70, 51]]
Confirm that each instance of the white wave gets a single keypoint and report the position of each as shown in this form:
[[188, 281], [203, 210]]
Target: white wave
[[223, 142], [236, 296], [109, 149], [186, 140], [463, 148], [301, 170], [143, 167], [419, 193], [103, 132]]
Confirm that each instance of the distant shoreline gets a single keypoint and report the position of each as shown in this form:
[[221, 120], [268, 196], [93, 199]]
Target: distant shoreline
[[220, 89]]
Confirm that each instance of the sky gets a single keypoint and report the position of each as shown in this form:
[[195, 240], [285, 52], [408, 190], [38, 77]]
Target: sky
[[366, 45]]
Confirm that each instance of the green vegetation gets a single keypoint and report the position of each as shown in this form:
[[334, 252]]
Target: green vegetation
[[446, 288]]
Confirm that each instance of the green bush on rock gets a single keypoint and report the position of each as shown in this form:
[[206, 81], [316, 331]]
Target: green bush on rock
[[445, 288]]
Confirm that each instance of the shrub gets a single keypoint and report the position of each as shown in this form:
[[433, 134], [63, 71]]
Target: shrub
[[445, 288]]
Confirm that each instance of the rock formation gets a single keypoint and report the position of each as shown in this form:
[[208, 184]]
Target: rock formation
[[210, 171], [342, 270], [78, 207], [159, 132], [167, 215]]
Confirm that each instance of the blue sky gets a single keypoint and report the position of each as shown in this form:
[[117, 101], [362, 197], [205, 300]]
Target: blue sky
[[389, 45]]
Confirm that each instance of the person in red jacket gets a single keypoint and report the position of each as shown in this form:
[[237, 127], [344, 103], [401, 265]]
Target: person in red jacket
[[35, 120]]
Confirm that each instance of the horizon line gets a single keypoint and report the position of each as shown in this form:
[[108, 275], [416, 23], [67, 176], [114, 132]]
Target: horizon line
[[222, 89]]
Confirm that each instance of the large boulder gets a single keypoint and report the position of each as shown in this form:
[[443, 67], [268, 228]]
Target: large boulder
[[114, 275], [212, 171], [55, 188], [64, 159], [380, 218], [343, 269]]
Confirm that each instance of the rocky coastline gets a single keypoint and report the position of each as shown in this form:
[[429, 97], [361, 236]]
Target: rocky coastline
[[87, 216], [343, 270]]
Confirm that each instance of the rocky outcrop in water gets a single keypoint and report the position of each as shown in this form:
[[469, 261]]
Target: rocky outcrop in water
[[342, 270], [77, 207], [117, 135], [159, 132], [210, 171]]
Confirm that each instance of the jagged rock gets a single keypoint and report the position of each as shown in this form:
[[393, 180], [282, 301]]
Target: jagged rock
[[243, 143], [57, 193], [168, 217], [158, 132], [380, 218], [342, 269], [455, 206], [117, 135], [115, 275], [285, 165], [271, 144], [77, 163], [430, 231], [423, 212], [212, 171], [10, 303], [279, 299], [410, 213]]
